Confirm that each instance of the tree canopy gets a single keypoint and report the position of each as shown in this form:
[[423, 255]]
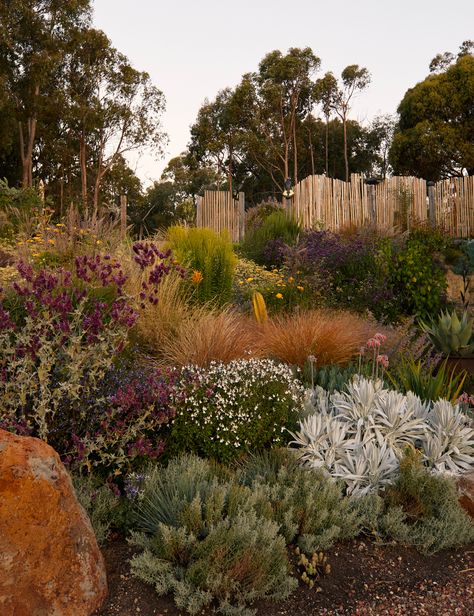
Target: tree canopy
[[71, 104], [435, 134]]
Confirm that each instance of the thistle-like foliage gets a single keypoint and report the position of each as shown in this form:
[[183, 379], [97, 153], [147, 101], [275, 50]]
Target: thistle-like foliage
[[359, 435]]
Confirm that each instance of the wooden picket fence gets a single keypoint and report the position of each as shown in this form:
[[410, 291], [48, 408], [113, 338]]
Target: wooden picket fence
[[334, 204], [218, 210]]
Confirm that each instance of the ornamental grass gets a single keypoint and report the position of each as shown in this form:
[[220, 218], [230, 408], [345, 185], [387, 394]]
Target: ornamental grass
[[208, 335], [333, 337]]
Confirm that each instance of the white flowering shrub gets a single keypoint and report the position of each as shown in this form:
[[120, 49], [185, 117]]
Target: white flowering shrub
[[359, 435], [228, 409]]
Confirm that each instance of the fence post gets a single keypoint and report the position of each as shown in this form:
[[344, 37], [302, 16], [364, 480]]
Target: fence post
[[430, 186], [123, 216], [241, 216], [371, 184]]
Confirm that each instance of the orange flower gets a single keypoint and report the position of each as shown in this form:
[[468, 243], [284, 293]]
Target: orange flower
[[279, 296], [196, 277]]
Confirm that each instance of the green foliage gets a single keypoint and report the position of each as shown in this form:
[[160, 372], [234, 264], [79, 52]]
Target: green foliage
[[281, 291], [261, 244], [256, 215], [433, 519], [216, 537], [451, 335], [211, 255], [230, 409], [16, 207], [427, 382], [205, 542], [435, 134], [310, 509], [418, 282], [100, 504], [331, 378]]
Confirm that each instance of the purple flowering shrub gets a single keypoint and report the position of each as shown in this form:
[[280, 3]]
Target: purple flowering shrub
[[60, 334], [123, 428], [349, 272]]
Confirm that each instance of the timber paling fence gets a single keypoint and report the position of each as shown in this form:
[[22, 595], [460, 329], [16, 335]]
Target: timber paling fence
[[331, 204], [218, 210]]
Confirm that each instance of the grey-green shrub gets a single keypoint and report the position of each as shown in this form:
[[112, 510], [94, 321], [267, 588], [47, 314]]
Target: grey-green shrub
[[205, 542], [310, 508], [429, 514], [99, 502]]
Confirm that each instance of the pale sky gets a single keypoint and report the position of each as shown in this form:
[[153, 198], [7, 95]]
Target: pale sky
[[192, 49]]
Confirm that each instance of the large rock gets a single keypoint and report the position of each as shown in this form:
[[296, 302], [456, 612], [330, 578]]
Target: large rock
[[466, 492], [50, 564]]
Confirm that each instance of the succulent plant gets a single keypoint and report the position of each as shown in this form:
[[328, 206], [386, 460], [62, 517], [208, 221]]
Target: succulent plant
[[452, 335]]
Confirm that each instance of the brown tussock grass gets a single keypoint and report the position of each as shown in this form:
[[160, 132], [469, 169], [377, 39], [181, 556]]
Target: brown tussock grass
[[212, 335], [333, 337]]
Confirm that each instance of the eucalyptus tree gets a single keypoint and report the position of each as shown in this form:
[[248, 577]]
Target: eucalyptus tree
[[354, 78], [33, 40], [434, 137], [326, 93]]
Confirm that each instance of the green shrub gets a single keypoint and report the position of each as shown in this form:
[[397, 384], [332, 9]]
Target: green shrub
[[433, 519], [310, 508], [211, 256], [204, 541], [418, 283], [280, 290], [229, 409], [100, 504], [332, 377], [18, 207], [256, 215], [263, 244]]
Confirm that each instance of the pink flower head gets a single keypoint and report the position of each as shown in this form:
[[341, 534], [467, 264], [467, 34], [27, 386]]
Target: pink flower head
[[383, 359], [381, 337], [373, 343], [362, 351]]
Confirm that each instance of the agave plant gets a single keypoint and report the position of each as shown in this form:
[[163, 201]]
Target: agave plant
[[451, 335]]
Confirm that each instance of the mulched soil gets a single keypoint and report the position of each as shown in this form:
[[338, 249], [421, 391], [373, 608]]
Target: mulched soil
[[366, 579]]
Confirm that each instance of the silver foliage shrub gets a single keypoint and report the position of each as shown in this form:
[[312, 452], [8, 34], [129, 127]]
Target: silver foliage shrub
[[359, 435]]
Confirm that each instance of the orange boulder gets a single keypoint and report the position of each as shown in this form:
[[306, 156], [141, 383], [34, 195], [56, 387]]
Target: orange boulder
[[50, 564]]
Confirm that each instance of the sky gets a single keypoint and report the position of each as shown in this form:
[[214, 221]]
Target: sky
[[192, 49]]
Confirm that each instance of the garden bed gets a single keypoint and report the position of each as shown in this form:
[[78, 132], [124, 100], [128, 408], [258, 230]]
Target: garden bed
[[366, 578]]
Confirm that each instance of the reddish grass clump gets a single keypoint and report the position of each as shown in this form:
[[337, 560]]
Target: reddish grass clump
[[333, 337]]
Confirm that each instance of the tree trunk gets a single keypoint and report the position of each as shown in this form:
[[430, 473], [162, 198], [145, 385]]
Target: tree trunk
[[311, 151], [26, 148], [326, 149], [83, 164], [295, 161], [346, 158]]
